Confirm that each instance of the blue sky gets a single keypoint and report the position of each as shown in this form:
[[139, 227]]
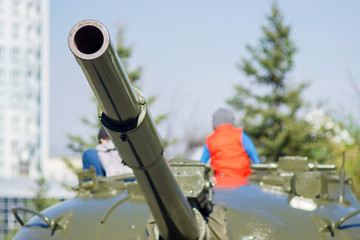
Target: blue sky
[[189, 51]]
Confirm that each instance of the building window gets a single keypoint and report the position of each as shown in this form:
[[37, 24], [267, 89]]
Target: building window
[[1, 6], [28, 125], [15, 78], [38, 55], [16, 31], [39, 32], [28, 77], [1, 129], [31, 33], [2, 53], [15, 148], [2, 31], [24, 169], [15, 55], [31, 10], [16, 100], [2, 80], [29, 56], [38, 9], [2, 98], [15, 125], [16, 8]]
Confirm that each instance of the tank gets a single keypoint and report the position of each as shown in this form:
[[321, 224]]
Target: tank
[[180, 199]]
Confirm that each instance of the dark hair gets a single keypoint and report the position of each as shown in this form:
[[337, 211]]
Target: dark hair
[[102, 134]]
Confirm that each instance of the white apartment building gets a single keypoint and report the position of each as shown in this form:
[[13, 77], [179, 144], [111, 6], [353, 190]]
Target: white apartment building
[[24, 87]]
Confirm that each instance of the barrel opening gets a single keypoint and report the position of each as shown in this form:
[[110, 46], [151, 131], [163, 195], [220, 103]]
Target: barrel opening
[[89, 39]]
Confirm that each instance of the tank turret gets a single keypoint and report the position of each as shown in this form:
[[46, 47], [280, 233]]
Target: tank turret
[[290, 199]]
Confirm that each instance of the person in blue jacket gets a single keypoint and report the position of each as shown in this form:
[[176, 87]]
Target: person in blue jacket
[[90, 158], [104, 158]]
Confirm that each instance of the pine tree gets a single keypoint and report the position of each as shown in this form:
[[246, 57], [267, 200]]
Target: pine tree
[[40, 200], [271, 106]]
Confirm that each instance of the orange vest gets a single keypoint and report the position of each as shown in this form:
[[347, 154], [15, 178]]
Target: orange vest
[[228, 156]]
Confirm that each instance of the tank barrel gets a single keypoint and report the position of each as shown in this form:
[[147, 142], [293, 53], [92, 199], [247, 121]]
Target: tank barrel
[[125, 116]]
